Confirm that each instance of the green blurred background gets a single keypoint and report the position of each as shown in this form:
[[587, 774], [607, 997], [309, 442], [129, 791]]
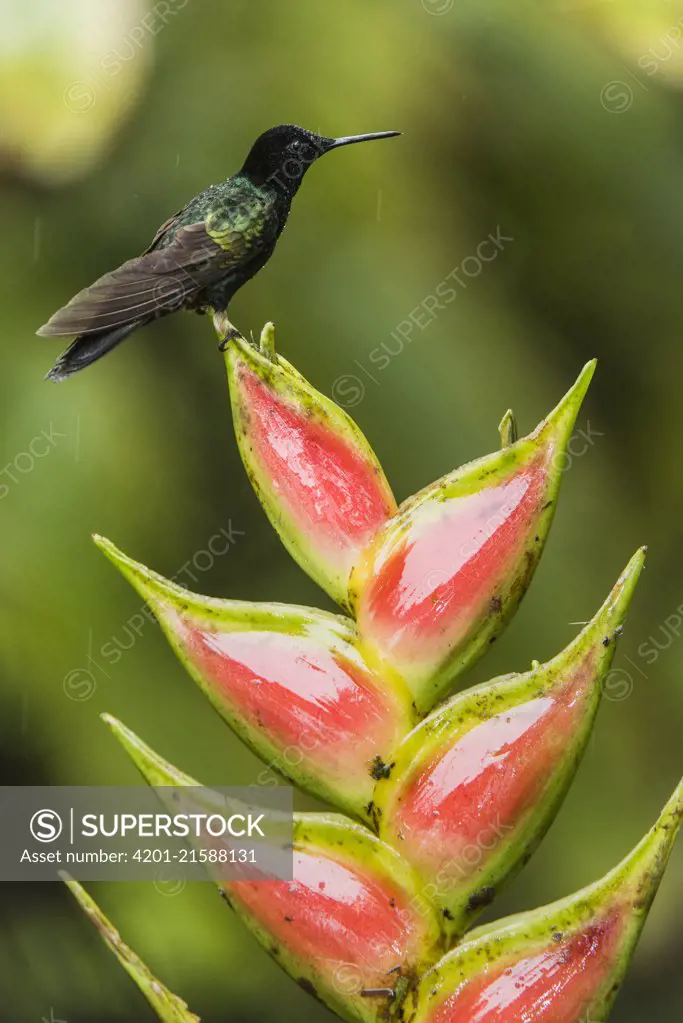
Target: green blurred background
[[559, 124]]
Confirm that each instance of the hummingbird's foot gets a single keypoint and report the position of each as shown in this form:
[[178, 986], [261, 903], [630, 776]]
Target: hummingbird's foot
[[230, 336], [225, 330]]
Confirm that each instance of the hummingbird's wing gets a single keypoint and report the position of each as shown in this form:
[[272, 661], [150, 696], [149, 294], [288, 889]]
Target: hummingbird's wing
[[179, 264]]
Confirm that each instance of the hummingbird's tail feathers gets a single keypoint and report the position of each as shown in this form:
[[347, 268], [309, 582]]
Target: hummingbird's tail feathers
[[88, 348]]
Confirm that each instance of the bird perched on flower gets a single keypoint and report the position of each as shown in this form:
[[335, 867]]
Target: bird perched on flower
[[201, 256]]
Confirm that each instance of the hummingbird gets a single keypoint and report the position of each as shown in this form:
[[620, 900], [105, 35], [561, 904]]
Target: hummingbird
[[200, 257]]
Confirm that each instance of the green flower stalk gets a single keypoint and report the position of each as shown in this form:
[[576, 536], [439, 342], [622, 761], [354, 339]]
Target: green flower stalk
[[168, 1007]]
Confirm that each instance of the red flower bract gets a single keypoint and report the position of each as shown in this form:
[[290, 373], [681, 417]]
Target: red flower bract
[[556, 986], [472, 790], [313, 470], [327, 486], [563, 963], [350, 921], [292, 681], [443, 576]]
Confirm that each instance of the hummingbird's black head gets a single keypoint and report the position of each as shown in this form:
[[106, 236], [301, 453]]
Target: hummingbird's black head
[[282, 155]]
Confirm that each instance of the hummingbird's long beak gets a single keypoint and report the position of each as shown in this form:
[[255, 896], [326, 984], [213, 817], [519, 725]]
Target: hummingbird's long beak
[[348, 140]]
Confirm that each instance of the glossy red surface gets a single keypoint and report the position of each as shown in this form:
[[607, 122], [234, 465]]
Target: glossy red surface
[[443, 574], [313, 702], [556, 985], [337, 916], [330, 491], [459, 807]]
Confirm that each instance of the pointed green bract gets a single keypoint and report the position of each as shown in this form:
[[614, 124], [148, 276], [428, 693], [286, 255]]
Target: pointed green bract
[[442, 578], [508, 429], [472, 790], [351, 920], [167, 1006], [156, 771], [292, 682], [565, 962], [314, 472]]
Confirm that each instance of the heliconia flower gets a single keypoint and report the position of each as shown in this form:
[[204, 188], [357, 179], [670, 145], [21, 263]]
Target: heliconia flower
[[351, 926], [313, 470], [292, 682], [473, 789], [561, 964], [441, 579], [168, 1007]]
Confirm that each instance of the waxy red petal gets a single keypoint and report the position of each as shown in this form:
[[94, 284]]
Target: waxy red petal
[[328, 488], [560, 964], [343, 915], [556, 986], [292, 682], [352, 924], [313, 700], [482, 784], [474, 787], [313, 470], [351, 921], [442, 578]]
